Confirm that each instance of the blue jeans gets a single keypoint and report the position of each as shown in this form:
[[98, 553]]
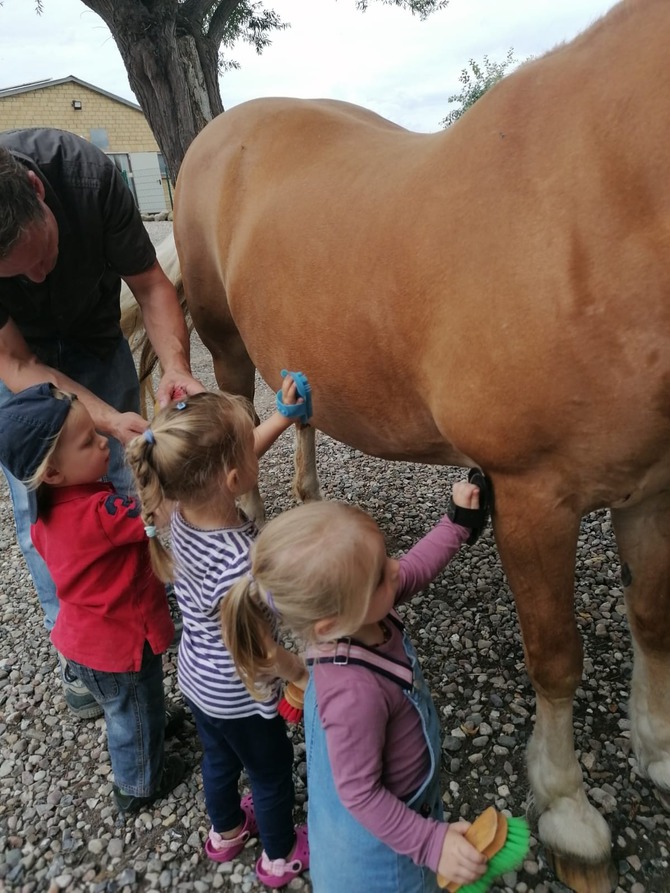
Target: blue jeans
[[134, 708], [114, 380], [344, 855], [261, 747]]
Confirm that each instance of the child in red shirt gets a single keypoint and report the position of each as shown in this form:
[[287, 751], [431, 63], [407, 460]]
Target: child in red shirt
[[114, 622]]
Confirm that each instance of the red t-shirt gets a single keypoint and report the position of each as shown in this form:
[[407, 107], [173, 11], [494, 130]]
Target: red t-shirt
[[93, 542]]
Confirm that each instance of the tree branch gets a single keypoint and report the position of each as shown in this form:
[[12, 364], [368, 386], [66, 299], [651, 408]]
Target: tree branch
[[217, 27], [197, 10]]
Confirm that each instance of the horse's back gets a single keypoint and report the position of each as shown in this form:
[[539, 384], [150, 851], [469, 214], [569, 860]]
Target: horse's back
[[504, 274]]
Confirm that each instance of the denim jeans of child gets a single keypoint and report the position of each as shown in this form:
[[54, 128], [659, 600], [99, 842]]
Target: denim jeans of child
[[114, 380], [134, 708], [261, 747]]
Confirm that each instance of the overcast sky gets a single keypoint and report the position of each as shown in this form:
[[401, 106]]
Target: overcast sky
[[384, 59]]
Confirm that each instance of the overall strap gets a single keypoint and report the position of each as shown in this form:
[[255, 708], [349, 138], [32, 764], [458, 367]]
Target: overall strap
[[348, 651]]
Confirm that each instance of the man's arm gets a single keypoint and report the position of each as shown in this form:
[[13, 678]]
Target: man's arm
[[20, 368], [166, 328]]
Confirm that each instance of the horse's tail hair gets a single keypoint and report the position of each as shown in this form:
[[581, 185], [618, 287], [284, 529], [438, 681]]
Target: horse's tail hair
[[132, 324]]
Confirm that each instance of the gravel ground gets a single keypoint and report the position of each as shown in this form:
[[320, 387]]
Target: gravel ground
[[60, 831]]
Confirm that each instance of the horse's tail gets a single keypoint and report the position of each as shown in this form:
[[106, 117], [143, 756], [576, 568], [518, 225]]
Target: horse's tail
[[132, 324]]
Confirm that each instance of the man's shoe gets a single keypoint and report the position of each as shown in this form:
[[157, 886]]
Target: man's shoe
[[77, 697], [174, 719], [174, 769]]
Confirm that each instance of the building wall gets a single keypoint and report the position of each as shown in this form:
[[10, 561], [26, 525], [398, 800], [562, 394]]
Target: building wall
[[127, 128]]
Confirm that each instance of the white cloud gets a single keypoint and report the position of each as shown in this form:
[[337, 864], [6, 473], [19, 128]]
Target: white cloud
[[385, 59]]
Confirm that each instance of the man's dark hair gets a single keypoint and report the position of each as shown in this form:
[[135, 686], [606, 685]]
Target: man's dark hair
[[19, 204]]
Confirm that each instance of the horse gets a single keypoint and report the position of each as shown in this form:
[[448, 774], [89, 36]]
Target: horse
[[494, 294]]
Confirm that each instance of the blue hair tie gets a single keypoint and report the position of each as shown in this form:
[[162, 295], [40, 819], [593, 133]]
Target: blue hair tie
[[148, 435], [151, 531], [180, 405]]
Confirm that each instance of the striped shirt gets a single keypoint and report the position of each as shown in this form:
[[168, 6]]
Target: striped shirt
[[207, 564]]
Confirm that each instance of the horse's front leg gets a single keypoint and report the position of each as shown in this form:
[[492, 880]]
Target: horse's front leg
[[643, 536], [536, 533], [306, 480]]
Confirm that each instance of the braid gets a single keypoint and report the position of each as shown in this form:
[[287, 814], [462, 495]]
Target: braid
[[150, 492]]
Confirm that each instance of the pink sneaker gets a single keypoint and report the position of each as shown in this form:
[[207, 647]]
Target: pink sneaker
[[223, 849], [279, 872]]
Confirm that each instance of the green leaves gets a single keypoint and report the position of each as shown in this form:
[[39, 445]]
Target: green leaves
[[476, 81]]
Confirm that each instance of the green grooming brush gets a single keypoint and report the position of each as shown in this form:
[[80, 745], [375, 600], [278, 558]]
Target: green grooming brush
[[503, 841]]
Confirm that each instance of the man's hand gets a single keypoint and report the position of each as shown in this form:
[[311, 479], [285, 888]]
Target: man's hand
[[126, 425], [164, 323], [174, 385]]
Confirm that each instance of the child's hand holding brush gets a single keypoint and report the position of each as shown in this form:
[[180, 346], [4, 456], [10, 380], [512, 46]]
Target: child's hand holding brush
[[502, 842], [460, 861], [291, 704]]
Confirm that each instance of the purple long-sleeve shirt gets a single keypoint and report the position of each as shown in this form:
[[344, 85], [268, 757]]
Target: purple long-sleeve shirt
[[375, 741]]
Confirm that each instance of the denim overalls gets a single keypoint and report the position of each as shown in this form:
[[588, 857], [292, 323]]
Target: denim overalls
[[344, 856]]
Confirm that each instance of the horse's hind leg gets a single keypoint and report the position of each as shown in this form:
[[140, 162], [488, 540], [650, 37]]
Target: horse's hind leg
[[643, 536], [536, 532]]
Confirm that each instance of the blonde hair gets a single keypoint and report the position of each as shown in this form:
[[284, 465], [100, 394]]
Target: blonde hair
[[189, 445], [314, 562]]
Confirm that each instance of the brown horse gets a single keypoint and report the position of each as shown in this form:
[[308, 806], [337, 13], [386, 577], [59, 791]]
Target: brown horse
[[497, 293]]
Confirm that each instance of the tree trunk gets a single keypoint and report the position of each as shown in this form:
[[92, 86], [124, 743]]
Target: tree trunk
[[172, 69]]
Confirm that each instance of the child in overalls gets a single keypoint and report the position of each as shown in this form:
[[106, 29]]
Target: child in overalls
[[371, 729]]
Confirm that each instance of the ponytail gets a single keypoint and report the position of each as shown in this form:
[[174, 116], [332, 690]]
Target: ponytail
[[248, 635]]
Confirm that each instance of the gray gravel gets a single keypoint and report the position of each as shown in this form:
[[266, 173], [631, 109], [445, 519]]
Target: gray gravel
[[59, 830]]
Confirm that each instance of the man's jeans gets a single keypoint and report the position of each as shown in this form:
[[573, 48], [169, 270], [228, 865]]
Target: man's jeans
[[114, 380], [134, 709]]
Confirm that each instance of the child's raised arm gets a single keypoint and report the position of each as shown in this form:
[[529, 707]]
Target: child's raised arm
[[268, 431], [434, 551]]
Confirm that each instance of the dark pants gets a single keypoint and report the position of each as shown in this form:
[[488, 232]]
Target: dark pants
[[261, 747]]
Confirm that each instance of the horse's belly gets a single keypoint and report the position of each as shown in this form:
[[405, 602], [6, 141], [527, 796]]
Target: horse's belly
[[355, 406]]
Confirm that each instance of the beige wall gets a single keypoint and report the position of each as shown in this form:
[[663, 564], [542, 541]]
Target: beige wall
[[127, 129]]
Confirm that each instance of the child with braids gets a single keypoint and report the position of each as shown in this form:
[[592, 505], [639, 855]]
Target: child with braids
[[371, 730], [202, 453]]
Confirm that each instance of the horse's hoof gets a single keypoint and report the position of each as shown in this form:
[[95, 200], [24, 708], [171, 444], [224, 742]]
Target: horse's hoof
[[583, 877], [664, 797]]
